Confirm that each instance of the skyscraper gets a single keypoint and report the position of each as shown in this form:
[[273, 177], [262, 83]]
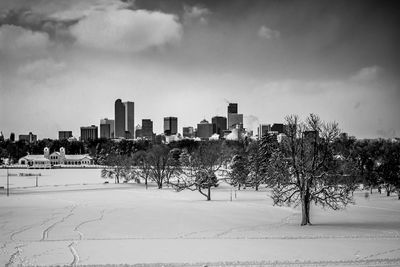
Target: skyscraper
[[124, 119], [64, 135], [147, 129], [107, 128], [233, 117], [89, 132], [219, 124], [263, 129], [204, 129], [232, 108], [170, 125]]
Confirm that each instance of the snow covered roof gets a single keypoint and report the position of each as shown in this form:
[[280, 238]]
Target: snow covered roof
[[77, 157], [35, 158]]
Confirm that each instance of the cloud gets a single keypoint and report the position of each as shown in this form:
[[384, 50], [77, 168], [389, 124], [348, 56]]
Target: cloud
[[38, 22], [126, 30], [367, 74], [195, 14], [266, 33], [41, 69], [19, 42]]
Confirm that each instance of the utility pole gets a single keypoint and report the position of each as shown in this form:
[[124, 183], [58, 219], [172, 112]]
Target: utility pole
[[8, 183]]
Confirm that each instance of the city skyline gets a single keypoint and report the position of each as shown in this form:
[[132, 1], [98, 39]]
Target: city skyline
[[60, 69]]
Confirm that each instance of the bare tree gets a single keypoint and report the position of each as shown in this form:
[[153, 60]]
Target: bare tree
[[161, 164], [304, 169], [198, 169], [117, 167], [142, 165]]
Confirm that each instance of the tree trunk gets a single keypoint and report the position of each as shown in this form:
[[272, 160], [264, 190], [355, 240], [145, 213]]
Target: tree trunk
[[209, 193], [145, 182], [256, 187], [305, 208], [370, 190]]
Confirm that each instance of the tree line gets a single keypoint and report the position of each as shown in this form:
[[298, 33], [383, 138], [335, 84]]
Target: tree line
[[313, 163]]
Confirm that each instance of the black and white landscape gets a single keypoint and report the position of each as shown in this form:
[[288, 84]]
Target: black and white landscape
[[199, 133]]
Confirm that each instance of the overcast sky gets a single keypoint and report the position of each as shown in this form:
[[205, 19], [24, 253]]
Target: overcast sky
[[64, 63]]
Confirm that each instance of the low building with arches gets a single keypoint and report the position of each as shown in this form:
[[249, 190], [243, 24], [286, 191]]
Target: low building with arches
[[59, 158]]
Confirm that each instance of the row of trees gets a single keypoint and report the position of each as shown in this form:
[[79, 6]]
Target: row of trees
[[314, 163]]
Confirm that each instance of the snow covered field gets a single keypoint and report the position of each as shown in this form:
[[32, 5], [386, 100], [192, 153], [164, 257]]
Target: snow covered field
[[72, 218]]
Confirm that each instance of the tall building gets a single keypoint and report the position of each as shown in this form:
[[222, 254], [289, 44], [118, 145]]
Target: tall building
[[107, 128], [263, 129], [188, 132], [64, 135], [89, 132], [219, 124], [12, 137], [147, 129], [232, 108], [138, 131], [278, 127], [30, 138], [233, 117], [170, 125], [204, 129], [124, 119]]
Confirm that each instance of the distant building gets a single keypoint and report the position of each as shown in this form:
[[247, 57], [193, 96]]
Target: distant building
[[234, 119], [219, 124], [89, 132], [263, 129], [138, 131], [48, 160], [147, 129], [233, 108], [124, 119], [64, 135], [188, 132], [278, 127], [170, 125], [30, 138], [107, 128], [204, 129], [1, 136], [12, 137]]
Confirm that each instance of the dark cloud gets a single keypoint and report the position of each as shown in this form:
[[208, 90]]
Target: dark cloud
[[56, 29]]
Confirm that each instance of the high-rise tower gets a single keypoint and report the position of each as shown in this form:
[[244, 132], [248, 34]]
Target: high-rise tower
[[124, 119]]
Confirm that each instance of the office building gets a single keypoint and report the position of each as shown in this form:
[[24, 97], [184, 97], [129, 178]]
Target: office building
[[64, 135], [89, 133], [278, 127], [263, 129], [204, 129], [234, 119], [138, 131], [30, 138], [147, 129], [124, 119], [107, 128], [219, 125], [170, 125], [188, 132], [233, 108]]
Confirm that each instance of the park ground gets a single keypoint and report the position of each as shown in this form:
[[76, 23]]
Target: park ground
[[73, 218]]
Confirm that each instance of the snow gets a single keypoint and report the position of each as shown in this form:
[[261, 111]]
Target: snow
[[74, 218]]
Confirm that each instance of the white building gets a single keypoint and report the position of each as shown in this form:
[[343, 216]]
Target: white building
[[48, 160]]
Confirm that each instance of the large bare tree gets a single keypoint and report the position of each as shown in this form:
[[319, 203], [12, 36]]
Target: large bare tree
[[198, 169], [304, 170]]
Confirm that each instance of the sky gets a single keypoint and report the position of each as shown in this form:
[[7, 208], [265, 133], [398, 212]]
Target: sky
[[64, 63]]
